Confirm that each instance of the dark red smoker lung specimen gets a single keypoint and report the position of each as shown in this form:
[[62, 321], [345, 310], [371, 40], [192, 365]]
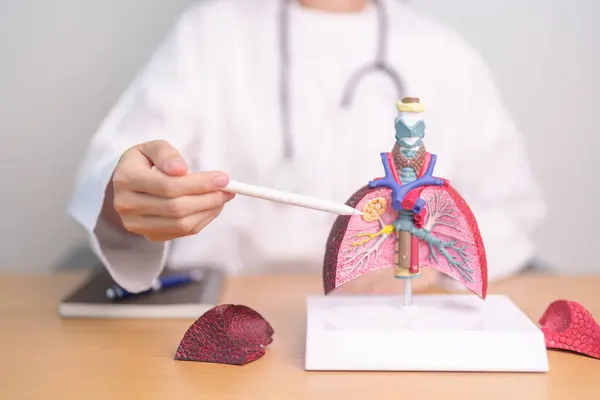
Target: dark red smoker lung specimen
[[567, 325], [226, 334]]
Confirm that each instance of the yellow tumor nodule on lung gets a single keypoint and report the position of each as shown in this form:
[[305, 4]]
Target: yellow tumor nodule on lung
[[374, 209]]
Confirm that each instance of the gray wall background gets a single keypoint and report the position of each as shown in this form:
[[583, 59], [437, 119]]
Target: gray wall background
[[63, 63]]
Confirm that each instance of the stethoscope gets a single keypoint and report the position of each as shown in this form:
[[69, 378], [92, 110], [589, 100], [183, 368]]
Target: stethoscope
[[379, 63]]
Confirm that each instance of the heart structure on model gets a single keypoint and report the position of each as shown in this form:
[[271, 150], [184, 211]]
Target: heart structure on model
[[410, 220], [568, 325], [226, 334]]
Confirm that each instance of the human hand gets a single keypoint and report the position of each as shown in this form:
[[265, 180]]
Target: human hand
[[156, 197]]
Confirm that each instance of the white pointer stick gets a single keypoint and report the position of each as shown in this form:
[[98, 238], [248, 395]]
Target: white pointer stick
[[290, 198]]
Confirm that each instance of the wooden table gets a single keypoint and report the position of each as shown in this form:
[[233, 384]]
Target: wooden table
[[45, 357]]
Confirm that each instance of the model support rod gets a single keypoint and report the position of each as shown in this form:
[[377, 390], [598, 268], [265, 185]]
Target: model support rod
[[407, 292]]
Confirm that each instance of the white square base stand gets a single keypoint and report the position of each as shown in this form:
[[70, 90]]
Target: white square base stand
[[434, 333]]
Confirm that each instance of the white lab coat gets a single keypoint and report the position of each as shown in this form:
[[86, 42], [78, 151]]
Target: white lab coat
[[212, 90]]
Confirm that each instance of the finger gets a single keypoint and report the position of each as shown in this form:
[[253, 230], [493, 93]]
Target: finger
[[151, 181], [179, 207], [164, 157], [195, 183], [150, 226], [162, 237]]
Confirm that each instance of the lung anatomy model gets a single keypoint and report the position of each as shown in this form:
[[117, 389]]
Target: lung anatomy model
[[411, 219]]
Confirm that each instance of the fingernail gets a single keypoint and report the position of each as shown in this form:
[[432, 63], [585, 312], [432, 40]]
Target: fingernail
[[175, 163], [229, 196], [220, 180]]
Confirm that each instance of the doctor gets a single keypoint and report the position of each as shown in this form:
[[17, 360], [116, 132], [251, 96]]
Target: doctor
[[297, 95]]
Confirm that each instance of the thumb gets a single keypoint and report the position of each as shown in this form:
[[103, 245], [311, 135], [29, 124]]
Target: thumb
[[164, 157]]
